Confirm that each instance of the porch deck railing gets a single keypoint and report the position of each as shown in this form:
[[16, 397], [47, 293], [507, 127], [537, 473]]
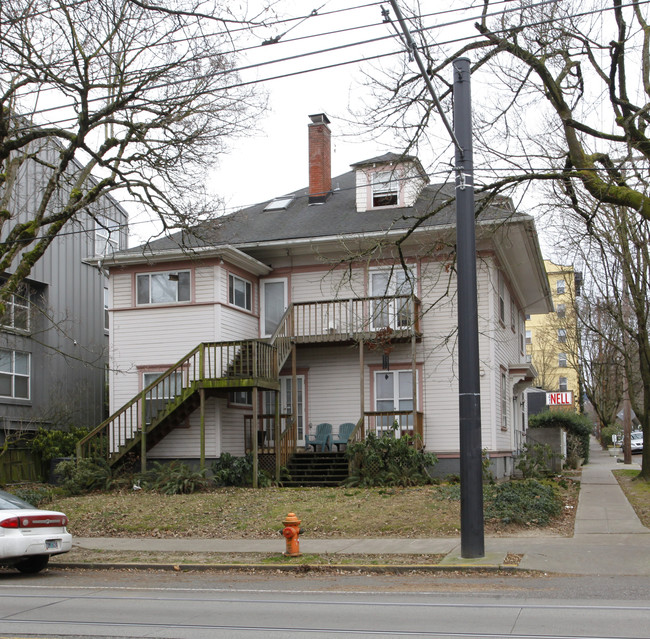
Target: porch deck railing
[[205, 365], [347, 319], [392, 424]]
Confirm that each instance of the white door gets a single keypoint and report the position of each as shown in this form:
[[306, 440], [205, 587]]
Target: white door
[[394, 392], [274, 304], [388, 283]]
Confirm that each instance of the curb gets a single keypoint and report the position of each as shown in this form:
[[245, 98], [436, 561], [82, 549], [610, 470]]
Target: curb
[[298, 568]]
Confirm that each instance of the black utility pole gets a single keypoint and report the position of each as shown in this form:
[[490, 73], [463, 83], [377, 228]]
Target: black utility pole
[[472, 544]]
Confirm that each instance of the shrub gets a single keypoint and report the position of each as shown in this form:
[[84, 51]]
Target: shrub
[[579, 426], [387, 461], [526, 501], [50, 444], [36, 495], [535, 460], [84, 476], [237, 471], [175, 478], [606, 433]]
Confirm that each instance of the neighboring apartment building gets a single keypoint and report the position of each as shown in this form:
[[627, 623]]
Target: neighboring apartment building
[[54, 335], [363, 334], [552, 338]]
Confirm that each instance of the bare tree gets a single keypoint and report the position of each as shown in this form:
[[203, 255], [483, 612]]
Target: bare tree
[[566, 104], [112, 96]]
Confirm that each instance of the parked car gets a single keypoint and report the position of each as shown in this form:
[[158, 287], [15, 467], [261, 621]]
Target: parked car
[[29, 536], [636, 441]]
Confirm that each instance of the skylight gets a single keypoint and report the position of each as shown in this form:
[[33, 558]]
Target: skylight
[[278, 204]]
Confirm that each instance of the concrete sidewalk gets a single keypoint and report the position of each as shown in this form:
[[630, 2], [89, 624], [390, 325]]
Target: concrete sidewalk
[[609, 539]]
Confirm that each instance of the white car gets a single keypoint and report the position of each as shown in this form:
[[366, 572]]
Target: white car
[[30, 536], [636, 441]]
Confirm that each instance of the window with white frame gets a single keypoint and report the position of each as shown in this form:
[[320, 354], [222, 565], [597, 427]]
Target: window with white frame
[[502, 298], [564, 384], [106, 321], [240, 292], [513, 314], [561, 360], [14, 374], [385, 189], [166, 287], [504, 401], [394, 392], [561, 335], [560, 310], [241, 398], [16, 315], [107, 235], [522, 342], [529, 336], [560, 287], [162, 393]]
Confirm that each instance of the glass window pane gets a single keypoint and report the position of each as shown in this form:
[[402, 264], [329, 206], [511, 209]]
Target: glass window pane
[[143, 289], [406, 384], [21, 386], [21, 317], [163, 289], [5, 385], [385, 405], [21, 363], [273, 305], [5, 361], [384, 383], [184, 286]]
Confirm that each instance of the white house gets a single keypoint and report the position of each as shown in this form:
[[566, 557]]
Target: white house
[[348, 286]]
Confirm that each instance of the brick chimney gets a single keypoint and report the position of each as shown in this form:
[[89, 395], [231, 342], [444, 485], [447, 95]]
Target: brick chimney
[[320, 159]]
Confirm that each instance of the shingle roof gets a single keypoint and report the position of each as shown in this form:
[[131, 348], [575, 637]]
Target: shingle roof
[[337, 216]]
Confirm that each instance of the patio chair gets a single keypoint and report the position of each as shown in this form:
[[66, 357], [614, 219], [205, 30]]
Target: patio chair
[[321, 438], [340, 439]]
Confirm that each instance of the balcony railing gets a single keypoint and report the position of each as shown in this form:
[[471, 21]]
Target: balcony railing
[[391, 424], [354, 318]]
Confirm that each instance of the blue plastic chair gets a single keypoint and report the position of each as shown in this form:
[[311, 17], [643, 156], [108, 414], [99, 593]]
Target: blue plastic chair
[[341, 438], [321, 438]]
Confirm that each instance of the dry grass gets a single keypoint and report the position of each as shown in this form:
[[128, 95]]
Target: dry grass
[[637, 492], [230, 513]]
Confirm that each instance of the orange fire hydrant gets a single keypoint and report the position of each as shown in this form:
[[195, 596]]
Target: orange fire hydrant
[[291, 533]]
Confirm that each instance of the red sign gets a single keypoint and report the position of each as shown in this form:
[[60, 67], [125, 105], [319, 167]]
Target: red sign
[[559, 399]]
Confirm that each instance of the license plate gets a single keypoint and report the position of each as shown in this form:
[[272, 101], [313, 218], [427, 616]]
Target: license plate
[[51, 544]]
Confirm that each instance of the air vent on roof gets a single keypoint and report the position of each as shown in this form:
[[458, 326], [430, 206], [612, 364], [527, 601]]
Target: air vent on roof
[[278, 204]]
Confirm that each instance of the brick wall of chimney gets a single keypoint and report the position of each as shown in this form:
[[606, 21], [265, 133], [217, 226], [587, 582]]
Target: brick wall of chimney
[[320, 159]]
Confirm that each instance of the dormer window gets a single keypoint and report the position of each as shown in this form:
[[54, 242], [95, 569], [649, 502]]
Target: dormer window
[[385, 189]]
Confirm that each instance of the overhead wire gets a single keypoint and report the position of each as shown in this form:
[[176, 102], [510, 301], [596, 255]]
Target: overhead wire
[[257, 65]]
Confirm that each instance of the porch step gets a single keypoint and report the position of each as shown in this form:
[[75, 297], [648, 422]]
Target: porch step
[[317, 469]]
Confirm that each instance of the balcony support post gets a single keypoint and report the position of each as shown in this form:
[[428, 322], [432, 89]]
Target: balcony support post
[[276, 436], [202, 425], [254, 436], [143, 433]]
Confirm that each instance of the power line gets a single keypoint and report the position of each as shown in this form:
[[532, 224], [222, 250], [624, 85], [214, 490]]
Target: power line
[[324, 51]]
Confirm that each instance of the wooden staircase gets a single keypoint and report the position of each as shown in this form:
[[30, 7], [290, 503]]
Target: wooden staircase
[[211, 368], [317, 469]]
